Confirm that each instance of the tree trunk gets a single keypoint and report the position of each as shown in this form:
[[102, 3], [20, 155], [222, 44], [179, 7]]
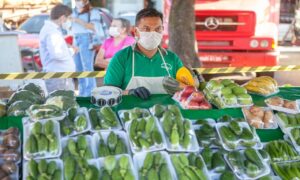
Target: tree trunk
[[182, 31]]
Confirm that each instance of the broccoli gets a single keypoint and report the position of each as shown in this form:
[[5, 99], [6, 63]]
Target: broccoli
[[33, 88], [25, 95], [18, 108], [67, 93], [63, 102], [44, 111]]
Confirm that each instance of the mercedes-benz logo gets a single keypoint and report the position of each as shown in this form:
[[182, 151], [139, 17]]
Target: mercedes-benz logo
[[211, 23]]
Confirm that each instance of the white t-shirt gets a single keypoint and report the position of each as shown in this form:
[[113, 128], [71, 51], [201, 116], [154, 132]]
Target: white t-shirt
[[54, 52]]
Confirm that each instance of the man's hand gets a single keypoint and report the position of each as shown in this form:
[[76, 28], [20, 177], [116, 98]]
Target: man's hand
[[140, 92], [171, 85]]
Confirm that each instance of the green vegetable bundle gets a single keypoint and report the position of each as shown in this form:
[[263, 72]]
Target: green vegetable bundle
[[114, 145], [144, 133], [105, 118], [155, 167], [74, 123], [43, 139], [43, 170]]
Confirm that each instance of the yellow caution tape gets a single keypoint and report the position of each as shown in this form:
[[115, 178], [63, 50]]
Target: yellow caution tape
[[98, 74]]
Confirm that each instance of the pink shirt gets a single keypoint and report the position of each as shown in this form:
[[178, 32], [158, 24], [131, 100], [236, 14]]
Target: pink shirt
[[110, 48]]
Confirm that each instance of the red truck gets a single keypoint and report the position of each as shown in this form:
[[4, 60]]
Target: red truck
[[235, 33]]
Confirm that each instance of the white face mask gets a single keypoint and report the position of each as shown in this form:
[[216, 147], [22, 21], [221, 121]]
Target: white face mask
[[114, 31], [67, 25], [150, 40], [79, 5]]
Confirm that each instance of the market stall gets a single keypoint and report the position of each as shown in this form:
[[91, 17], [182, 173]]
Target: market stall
[[95, 139]]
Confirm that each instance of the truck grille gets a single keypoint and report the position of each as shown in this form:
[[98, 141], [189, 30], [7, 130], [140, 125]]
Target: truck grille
[[224, 23], [213, 23]]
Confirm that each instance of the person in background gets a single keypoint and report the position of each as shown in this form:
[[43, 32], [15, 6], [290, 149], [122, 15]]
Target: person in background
[[120, 39], [85, 25], [54, 51]]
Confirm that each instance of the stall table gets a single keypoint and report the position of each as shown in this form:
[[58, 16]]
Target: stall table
[[129, 102]]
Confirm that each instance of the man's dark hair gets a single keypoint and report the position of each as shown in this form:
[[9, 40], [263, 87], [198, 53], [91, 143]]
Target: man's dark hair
[[60, 10], [148, 12], [125, 23]]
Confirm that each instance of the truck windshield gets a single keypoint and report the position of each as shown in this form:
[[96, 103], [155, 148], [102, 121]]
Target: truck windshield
[[34, 24]]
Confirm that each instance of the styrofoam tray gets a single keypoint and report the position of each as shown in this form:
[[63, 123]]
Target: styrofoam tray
[[132, 168], [82, 111], [273, 125], [293, 140], [41, 155], [138, 160], [204, 169], [212, 173], [282, 109], [13, 176], [64, 142], [121, 115], [17, 149], [59, 164], [152, 148], [242, 175], [268, 95], [193, 147], [212, 123], [121, 134], [239, 146], [117, 127]]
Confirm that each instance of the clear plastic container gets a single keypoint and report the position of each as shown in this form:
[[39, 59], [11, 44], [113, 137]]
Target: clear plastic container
[[282, 151], [213, 173], [155, 147], [128, 115], [211, 141], [258, 122], [132, 168], [240, 172], [60, 116], [117, 127], [196, 101], [80, 111], [64, 143], [192, 147], [10, 145], [104, 134], [9, 168], [238, 143], [204, 169], [139, 158], [280, 107], [45, 154], [184, 94], [291, 132], [290, 122], [59, 164]]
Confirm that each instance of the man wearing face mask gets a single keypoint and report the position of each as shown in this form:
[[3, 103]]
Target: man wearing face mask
[[140, 69], [120, 39], [54, 52]]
